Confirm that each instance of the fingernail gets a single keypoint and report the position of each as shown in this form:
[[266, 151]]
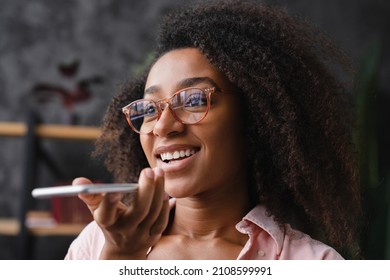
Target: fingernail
[[149, 173], [158, 172]]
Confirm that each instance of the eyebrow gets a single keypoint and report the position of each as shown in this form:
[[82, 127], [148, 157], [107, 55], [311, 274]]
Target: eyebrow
[[189, 82], [197, 80]]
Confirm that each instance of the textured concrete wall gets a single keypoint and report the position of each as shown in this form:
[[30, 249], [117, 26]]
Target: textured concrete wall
[[111, 39]]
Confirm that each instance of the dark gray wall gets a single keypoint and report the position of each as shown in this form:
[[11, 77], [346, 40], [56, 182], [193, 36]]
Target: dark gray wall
[[111, 39]]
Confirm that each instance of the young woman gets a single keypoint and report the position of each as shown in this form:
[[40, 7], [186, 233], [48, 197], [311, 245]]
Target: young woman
[[242, 121]]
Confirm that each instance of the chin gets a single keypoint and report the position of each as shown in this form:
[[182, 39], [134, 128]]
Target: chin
[[178, 188]]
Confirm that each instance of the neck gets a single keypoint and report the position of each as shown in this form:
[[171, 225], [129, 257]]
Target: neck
[[210, 215]]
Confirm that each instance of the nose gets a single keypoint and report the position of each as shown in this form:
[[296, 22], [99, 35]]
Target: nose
[[167, 124]]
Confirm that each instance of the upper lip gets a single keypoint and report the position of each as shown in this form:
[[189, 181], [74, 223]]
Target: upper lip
[[172, 148]]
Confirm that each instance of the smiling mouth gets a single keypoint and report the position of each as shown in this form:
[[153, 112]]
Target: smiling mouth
[[177, 155]]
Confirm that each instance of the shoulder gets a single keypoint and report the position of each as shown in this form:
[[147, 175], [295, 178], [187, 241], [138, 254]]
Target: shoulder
[[282, 242], [87, 245], [298, 245]]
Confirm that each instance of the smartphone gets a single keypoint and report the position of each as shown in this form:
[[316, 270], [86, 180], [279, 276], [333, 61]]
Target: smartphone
[[86, 189]]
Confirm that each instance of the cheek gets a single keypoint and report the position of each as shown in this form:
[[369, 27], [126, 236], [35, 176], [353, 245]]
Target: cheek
[[147, 147], [226, 141], [229, 123]]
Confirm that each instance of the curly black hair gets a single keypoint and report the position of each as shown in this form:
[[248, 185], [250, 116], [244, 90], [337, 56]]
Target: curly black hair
[[298, 112]]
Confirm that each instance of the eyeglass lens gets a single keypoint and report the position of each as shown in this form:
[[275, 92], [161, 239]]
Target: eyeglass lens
[[188, 106]]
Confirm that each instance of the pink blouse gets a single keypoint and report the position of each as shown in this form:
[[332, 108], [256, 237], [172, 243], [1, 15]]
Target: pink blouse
[[267, 241]]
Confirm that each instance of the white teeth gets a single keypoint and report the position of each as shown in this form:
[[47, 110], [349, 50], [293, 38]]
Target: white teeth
[[176, 154], [168, 156]]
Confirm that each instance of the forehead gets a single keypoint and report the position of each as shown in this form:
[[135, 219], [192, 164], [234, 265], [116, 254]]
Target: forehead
[[178, 65]]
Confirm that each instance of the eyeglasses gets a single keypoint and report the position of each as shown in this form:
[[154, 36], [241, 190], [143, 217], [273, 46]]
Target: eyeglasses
[[188, 106]]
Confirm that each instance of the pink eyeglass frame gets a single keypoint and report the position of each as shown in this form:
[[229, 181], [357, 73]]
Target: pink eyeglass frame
[[168, 101]]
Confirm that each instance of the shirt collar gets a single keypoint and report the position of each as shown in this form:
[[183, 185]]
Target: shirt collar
[[258, 216]]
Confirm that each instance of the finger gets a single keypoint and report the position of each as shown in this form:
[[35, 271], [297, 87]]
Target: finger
[[81, 181], [91, 200], [158, 198], [109, 210], [172, 203], [162, 221], [140, 208]]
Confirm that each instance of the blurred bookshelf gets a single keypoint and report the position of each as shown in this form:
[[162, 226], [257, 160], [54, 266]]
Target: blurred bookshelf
[[68, 215]]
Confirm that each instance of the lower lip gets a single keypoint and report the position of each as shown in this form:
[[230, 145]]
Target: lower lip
[[176, 165]]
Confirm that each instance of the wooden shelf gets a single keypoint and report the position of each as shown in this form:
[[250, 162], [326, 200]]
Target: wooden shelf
[[66, 132], [11, 227], [32, 131], [60, 229]]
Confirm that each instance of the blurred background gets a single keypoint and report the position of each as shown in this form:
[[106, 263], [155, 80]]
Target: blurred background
[[61, 62]]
